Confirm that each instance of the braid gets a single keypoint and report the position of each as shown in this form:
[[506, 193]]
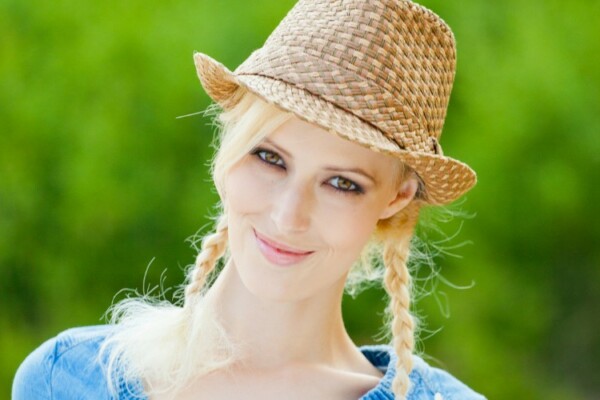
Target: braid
[[397, 233], [213, 248]]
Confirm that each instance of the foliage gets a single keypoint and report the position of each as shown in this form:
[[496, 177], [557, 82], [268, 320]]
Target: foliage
[[99, 181]]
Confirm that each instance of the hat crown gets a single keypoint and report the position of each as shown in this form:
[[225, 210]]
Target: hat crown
[[391, 63], [375, 72]]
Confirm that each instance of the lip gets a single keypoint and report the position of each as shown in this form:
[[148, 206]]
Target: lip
[[278, 253]]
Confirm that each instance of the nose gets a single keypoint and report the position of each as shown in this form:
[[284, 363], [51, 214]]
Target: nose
[[292, 210]]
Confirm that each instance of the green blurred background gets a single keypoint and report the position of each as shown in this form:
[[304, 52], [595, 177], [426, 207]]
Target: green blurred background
[[98, 179]]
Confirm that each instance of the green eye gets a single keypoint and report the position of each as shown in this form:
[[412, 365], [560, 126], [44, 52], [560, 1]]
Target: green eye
[[272, 158], [345, 185], [268, 157]]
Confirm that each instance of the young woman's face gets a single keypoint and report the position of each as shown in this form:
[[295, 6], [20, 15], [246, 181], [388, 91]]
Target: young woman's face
[[302, 205]]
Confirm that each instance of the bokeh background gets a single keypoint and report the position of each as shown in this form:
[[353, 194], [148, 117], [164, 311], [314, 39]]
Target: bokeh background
[[101, 184]]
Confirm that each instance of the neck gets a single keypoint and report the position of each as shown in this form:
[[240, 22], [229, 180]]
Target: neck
[[277, 333]]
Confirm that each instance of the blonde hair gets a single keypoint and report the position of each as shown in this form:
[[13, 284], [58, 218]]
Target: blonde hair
[[167, 345], [396, 233]]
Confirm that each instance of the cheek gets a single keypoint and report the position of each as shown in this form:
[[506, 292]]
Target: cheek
[[345, 232], [349, 226], [246, 191], [247, 194]]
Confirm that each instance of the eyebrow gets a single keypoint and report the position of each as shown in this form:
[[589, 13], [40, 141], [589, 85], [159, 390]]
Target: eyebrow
[[327, 168]]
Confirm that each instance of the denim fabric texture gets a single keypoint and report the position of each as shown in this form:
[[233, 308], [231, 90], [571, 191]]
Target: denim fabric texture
[[67, 367]]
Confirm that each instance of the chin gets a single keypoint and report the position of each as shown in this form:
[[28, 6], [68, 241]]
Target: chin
[[264, 283]]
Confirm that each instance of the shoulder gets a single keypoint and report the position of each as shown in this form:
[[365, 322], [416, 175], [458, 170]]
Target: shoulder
[[427, 382], [66, 366]]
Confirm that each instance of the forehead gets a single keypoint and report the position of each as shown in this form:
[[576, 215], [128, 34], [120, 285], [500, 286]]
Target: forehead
[[300, 135]]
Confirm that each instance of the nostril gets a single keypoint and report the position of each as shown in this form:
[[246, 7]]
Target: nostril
[[291, 221], [292, 209], [291, 217]]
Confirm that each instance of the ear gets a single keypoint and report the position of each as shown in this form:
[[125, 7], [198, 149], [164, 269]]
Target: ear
[[404, 195]]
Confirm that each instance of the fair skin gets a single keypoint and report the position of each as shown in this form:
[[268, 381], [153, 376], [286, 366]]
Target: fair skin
[[284, 308]]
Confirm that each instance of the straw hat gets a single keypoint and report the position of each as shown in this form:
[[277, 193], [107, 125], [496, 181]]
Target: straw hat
[[376, 72]]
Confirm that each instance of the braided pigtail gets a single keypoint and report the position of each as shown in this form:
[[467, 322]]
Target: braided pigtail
[[213, 248], [397, 234]]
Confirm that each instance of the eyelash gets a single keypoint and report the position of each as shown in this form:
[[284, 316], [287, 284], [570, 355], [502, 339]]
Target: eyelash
[[357, 188]]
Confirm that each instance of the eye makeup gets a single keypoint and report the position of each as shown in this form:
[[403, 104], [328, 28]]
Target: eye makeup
[[338, 183]]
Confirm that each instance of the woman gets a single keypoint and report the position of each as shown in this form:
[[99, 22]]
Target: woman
[[329, 149]]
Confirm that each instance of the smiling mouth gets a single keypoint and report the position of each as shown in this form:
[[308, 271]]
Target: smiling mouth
[[279, 254]]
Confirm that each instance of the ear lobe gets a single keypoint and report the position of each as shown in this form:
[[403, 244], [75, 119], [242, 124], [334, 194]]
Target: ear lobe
[[405, 194]]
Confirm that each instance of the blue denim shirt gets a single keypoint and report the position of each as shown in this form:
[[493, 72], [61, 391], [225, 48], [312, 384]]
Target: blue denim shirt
[[67, 367]]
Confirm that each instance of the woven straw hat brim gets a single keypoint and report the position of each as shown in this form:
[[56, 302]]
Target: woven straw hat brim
[[445, 179]]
